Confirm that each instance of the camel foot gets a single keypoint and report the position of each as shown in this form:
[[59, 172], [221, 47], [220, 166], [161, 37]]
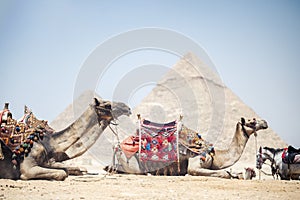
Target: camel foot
[[235, 176], [76, 171], [110, 169]]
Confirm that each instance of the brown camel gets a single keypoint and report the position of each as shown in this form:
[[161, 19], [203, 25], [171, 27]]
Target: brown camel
[[194, 164], [46, 155]]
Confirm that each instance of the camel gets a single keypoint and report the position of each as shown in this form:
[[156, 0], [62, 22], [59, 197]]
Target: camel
[[278, 167], [194, 164], [45, 158]]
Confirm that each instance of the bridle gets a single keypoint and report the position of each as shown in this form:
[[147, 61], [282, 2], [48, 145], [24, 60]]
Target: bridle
[[259, 158], [251, 125], [260, 161], [103, 115]]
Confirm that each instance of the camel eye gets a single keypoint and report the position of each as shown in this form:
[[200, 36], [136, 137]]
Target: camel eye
[[108, 107]]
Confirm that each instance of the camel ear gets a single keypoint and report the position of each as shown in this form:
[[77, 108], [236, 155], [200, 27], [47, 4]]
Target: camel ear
[[260, 149], [243, 121], [97, 103]]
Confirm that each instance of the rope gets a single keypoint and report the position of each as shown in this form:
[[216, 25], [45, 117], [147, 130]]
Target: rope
[[266, 173], [116, 134], [140, 135], [179, 126], [259, 171]]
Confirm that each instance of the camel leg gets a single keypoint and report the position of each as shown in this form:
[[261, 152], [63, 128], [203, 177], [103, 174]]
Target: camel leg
[[195, 168], [38, 172], [208, 172], [30, 170], [71, 170]]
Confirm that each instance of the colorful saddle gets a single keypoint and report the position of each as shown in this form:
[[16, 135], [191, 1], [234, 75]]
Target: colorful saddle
[[158, 141], [291, 155], [19, 136]]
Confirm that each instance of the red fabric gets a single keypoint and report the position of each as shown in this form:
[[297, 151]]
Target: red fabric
[[130, 146], [159, 142], [284, 153]]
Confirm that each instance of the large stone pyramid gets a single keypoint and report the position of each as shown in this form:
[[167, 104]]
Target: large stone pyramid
[[193, 90], [213, 111]]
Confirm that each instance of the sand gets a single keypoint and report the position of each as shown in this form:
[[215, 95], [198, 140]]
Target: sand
[[119, 186]]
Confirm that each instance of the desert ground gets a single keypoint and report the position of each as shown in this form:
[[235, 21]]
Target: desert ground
[[120, 186]]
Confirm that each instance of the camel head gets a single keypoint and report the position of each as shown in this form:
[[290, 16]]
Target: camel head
[[252, 125], [110, 110]]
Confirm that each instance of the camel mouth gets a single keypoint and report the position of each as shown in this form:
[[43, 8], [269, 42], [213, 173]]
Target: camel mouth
[[120, 109], [263, 124], [111, 110]]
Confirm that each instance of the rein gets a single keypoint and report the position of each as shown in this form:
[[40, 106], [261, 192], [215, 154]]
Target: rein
[[273, 169], [114, 132], [244, 131]]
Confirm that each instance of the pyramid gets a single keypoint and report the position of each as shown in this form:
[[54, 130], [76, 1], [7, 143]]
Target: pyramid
[[73, 111], [213, 111], [193, 90]]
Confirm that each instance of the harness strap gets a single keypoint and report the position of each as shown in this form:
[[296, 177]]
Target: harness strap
[[244, 131], [116, 134]]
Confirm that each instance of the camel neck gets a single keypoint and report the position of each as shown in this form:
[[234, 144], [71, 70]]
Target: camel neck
[[228, 157], [68, 136]]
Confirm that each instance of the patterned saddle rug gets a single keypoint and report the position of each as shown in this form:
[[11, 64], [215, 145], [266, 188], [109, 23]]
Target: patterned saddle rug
[[158, 141]]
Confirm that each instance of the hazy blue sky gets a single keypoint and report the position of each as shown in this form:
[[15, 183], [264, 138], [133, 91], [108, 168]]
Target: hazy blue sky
[[254, 45]]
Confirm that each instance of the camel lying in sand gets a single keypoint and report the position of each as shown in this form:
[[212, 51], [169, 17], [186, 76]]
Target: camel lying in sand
[[194, 164], [46, 155]]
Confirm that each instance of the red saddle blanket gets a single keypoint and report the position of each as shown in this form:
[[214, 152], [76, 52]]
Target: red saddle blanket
[[158, 141]]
